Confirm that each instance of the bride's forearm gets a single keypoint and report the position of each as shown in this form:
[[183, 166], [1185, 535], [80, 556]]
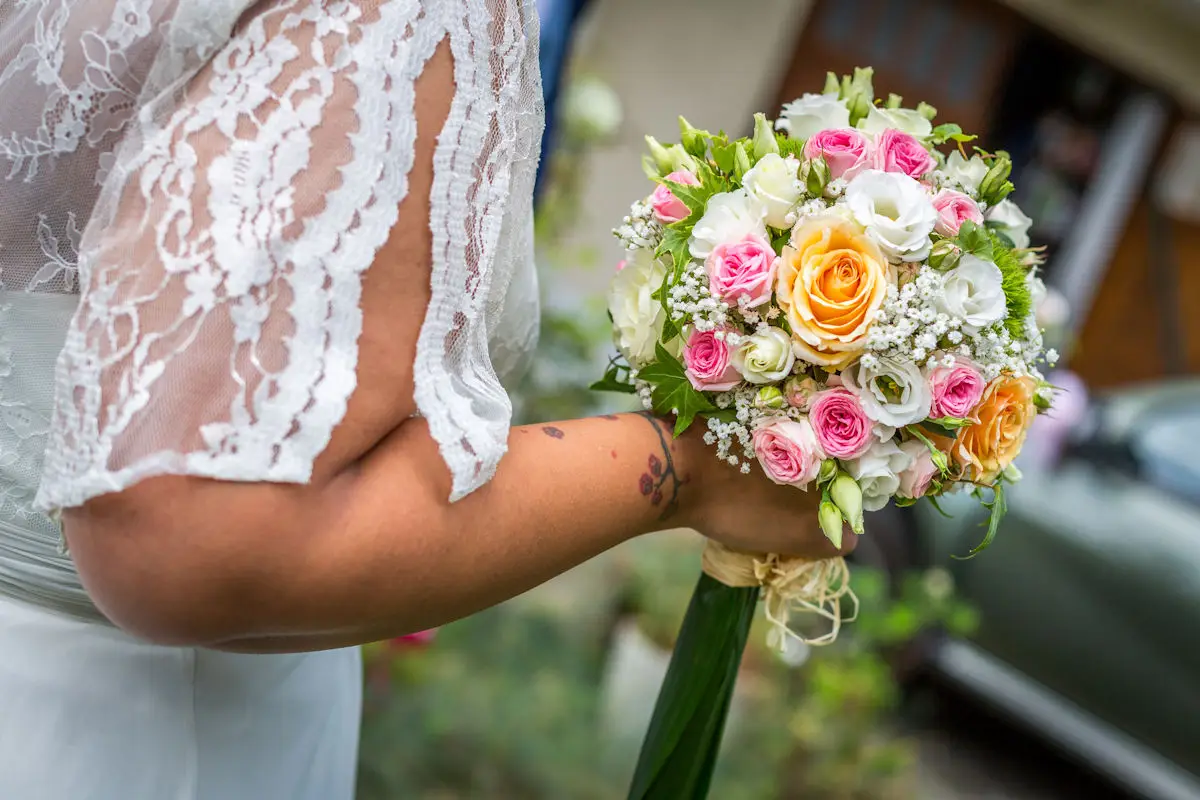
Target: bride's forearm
[[378, 550]]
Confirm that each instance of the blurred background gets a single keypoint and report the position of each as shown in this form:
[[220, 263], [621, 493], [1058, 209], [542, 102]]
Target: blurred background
[[1065, 662]]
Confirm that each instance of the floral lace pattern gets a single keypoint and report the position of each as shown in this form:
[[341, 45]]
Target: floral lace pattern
[[212, 177]]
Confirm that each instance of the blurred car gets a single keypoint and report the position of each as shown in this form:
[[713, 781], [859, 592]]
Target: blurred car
[[1089, 598]]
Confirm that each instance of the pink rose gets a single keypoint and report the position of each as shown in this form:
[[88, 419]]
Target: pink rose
[[843, 429], [916, 479], [666, 206], [788, 452], [899, 152], [800, 391], [954, 208], [846, 151], [742, 269], [956, 390], [707, 363]]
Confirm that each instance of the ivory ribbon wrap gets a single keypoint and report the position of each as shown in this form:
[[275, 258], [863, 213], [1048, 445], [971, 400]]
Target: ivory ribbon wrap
[[789, 586]]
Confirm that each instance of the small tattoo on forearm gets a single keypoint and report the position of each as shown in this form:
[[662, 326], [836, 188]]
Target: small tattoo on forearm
[[660, 482], [552, 432]]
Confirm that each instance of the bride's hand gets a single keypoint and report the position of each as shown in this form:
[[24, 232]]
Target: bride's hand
[[750, 513]]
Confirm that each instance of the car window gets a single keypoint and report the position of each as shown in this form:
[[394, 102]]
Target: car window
[[1168, 450]]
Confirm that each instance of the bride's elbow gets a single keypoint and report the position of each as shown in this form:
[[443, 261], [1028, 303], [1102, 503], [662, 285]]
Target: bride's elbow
[[160, 569]]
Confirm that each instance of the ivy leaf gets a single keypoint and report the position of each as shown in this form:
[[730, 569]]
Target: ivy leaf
[[951, 133], [675, 242], [670, 329], [722, 415], [611, 382], [999, 507], [672, 392], [974, 239]]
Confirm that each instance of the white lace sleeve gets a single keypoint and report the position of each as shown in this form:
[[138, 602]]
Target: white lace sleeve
[[220, 273]]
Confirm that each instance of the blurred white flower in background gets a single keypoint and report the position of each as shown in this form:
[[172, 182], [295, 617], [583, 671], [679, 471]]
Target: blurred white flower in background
[[591, 109]]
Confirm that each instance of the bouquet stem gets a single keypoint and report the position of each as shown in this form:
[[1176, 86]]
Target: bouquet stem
[[684, 737]]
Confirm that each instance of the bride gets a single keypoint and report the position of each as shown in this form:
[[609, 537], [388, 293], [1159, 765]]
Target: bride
[[262, 264]]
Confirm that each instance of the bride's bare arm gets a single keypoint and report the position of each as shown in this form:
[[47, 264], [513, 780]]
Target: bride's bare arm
[[371, 547]]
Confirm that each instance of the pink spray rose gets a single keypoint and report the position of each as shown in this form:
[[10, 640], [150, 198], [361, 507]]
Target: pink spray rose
[[917, 477], [707, 363], [955, 208], [899, 152], [742, 269], [956, 390], [843, 429], [846, 151], [666, 206], [788, 452]]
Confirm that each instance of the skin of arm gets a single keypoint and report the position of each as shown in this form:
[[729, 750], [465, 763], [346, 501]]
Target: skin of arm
[[371, 547]]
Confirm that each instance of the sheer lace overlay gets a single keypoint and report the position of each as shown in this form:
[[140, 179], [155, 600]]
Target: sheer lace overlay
[[213, 177]]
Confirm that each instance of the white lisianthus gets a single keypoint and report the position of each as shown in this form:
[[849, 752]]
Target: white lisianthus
[[637, 317], [896, 211], [766, 356], [905, 120], [811, 114], [967, 173], [1010, 219], [893, 393], [878, 473], [773, 182], [1049, 306], [728, 217], [973, 292]]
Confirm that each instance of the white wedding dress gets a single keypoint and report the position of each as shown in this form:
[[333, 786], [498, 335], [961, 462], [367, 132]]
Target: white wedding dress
[[190, 193]]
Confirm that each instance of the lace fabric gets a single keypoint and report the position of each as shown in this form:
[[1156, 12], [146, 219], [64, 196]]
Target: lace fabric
[[213, 177]]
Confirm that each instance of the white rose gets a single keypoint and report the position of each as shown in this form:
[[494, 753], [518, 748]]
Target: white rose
[[728, 217], [904, 120], [893, 393], [1012, 221], [1049, 305], [811, 114], [637, 317], [973, 292], [896, 211], [966, 173], [773, 183], [878, 473], [766, 356]]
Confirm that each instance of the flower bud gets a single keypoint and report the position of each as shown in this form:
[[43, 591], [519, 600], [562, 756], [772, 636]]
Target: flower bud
[[894, 101], [741, 160], [661, 155], [695, 141], [769, 397], [764, 137], [1043, 398], [814, 174], [799, 391], [831, 522], [828, 472], [995, 185], [833, 84], [859, 94], [927, 111], [847, 494], [944, 255]]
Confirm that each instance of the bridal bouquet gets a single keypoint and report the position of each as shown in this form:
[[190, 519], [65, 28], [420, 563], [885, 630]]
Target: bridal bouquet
[[845, 301]]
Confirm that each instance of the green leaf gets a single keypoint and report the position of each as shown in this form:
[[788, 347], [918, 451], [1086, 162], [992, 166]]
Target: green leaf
[[611, 382], [680, 750], [951, 133], [675, 243], [670, 327], [778, 242], [999, 507], [723, 156], [933, 501], [974, 239], [672, 392], [723, 415]]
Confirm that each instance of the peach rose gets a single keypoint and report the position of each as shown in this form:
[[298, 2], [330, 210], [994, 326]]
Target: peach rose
[[1004, 415], [831, 281]]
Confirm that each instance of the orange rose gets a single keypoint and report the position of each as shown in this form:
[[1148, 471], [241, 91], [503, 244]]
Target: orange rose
[[832, 280], [1003, 416]]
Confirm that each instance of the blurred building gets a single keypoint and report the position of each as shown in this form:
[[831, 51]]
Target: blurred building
[[1096, 100]]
